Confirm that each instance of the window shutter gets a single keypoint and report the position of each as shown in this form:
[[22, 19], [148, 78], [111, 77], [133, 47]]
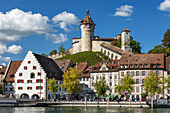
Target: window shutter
[[18, 88], [41, 87], [27, 88], [36, 80], [17, 81], [31, 88], [22, 81], [31, 81], [21, 88], [36, 87], [41, 80]]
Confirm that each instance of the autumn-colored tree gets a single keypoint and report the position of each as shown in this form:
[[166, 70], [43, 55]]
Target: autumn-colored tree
[[71, 81]]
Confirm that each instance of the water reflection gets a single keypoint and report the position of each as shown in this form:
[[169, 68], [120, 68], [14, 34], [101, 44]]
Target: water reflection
[[80, 110]]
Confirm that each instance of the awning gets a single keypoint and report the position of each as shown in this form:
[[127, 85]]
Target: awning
[[110, 96]]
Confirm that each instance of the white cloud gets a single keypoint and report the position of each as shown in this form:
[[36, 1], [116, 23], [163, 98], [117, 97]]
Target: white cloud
[[14, 49], [3, 64], [165, 5], [65, 19], [57, 38], [6, 59], [124, 11]]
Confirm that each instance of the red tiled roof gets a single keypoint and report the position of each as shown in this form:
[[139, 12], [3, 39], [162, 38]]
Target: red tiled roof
[[87, 20], [126, 30], [82, 67], [112, 65], [151, 60], [12, 69]]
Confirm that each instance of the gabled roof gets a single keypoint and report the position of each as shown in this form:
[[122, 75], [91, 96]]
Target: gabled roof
[[151, 60], [115, 49], [63, 64], [82, 66], [112, 65], [87, 19], [11, 70], [126, 30], [50, 67]]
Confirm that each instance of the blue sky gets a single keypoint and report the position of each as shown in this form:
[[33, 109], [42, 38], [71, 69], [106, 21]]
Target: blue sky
[[44, 25]]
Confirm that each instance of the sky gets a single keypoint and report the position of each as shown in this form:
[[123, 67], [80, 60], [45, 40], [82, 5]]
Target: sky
[[45, 25]]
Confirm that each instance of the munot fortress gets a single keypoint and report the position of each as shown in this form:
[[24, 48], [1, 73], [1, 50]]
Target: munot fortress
[[89, 42]]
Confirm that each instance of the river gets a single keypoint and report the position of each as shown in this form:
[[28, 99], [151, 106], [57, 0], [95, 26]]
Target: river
[[81, 110]]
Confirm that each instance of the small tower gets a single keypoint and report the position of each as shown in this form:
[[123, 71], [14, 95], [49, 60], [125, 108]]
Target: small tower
[[125, 40], [87, 32]]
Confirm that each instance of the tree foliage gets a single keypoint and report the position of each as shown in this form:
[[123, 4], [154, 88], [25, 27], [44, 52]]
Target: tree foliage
[[126, 84], [101, 87], [116, 43], [158, 49], [52, 85], [136, 48], [168, 82], [71, 81], [152, 83], [166, 40], [53, 52], [44, 55], [62, 50]]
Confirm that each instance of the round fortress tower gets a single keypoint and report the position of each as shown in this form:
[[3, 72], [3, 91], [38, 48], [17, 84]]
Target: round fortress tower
[[87, 32]]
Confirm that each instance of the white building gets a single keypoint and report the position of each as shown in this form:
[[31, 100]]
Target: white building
[[32, 76]]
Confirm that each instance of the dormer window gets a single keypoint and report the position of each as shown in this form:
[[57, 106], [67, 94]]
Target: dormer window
[[29, 62], [11, 76], [140, 65], [157, 65], [144, 65], [100, 63], [106, 62], [135, 65], [61, 67], [130, 66], [121, 66], [113, 62], [126, 66], [118, 62]]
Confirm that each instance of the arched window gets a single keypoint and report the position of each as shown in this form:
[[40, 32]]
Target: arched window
[[105, 51], [108, 53], [101, 50], [32, 75]]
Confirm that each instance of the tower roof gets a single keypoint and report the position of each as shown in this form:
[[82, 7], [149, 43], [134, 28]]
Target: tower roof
[[87, 19], [126, 30]]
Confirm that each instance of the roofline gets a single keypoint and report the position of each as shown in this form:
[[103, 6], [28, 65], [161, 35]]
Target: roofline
[[7, 69]]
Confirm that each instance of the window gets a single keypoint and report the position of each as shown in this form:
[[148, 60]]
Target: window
[[34, 67], [126, 66], [132, 73], [6, 89], [140, 65], [103, 77], [168, 91], [20, 74], [118, 62], [122, 74], [143, 81], [97, 77], [130, 66], [157, 65], [113, 62], [110, 77], [20, 88], [144, 65], [83, 79], [39, 74], [143, 89], [106, 62], [143, 73], [133, 89], [29, 88], [39, 80], [135, 65], [11, 89], [20, 81], [29, 81], [93, 77], [157, 72], [92, 84], [11, 76], [110, 83], [25, 67], [39, 87], [128, 73], [32, 75], [137, 81], [137, 89], [115, 77], [87, 79], [137, 73], [29, 62]]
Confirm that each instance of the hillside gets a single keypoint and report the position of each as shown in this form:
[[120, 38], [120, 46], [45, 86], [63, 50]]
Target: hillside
[[91, 57]]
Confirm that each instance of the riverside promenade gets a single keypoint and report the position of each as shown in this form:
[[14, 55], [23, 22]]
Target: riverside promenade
[[34, 103]]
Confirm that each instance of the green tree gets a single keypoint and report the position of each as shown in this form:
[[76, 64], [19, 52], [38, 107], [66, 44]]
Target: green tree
[[61, 50], [44, 55], [136, 48], [52, 85], [166, 40], [158, 49], [168, 82], [126, 84], [152, 83], [116, 43], [53, 52], [101, 87], [71, 81]]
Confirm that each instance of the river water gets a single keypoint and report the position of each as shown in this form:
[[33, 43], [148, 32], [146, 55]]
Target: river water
[[81, 110]]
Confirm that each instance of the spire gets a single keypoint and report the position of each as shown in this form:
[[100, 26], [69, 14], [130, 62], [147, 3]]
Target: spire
[[87, 19]]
